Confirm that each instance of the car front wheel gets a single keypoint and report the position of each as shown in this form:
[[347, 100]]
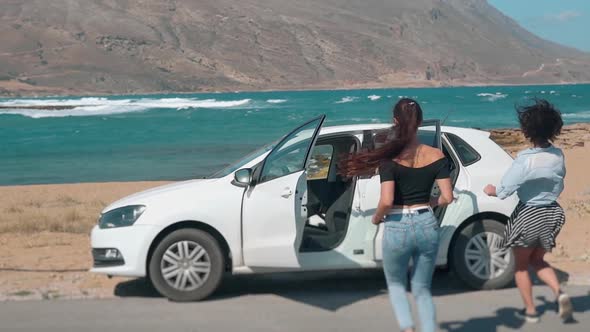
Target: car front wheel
[[478, 257], [187, 265]]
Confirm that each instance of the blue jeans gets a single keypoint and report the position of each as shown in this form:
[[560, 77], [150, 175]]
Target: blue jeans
[[415, 236]]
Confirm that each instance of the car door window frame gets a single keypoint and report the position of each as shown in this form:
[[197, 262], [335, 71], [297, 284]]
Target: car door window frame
[[446, 143], [260, 170], [438, 134]]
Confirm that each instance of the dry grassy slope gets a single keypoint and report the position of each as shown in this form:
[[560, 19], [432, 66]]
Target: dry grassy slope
[[182, 45]]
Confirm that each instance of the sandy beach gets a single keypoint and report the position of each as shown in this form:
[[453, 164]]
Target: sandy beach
[[46, 251]]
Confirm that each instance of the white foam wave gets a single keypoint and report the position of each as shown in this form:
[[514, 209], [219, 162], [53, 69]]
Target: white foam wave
[[365, 120], [346, 100], [78, 111], [374, 97], [579, 115], [492, 96], [276, 101], [37, 108]]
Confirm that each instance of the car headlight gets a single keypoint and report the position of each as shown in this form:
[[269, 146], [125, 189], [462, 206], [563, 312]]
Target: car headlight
[[121, 217]]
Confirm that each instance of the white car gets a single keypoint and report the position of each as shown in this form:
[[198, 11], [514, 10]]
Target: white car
[[286, 208]]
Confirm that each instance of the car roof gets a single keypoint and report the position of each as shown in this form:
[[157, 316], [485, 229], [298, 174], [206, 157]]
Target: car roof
[[359, 128]]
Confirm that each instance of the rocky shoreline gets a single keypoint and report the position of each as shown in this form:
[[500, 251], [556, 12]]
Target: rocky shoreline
[[512, 140]]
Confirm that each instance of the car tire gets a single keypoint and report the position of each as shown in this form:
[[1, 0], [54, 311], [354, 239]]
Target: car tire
[[478, 259], [180, 277]]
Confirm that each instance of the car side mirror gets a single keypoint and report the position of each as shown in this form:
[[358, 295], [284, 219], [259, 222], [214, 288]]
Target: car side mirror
[[243, 177]]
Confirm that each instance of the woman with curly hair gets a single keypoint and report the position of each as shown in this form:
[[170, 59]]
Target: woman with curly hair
[[537, 176]]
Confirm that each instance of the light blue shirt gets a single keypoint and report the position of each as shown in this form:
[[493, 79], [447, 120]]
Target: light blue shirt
[[536, 175]]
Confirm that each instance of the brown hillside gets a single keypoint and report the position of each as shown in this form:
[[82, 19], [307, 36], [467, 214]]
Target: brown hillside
[[133, 46]]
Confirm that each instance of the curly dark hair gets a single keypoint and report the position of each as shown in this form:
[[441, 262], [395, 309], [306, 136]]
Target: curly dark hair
[[540, 122]]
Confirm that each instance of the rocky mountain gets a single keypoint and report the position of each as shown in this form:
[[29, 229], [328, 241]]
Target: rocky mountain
[[134, 46]]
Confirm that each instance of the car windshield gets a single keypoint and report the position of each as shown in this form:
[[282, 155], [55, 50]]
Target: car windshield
[[242, 161]]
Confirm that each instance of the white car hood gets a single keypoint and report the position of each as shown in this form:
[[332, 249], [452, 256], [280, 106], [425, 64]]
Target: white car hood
[[144, 197]]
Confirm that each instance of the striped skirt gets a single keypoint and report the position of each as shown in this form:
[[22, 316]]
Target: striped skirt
[[534, 226]]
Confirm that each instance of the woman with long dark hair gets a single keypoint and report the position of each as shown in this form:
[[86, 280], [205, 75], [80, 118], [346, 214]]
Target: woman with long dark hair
[[408, 171], [537, 177]]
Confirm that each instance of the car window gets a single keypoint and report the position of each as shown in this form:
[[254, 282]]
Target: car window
[[466, 153], [320, 160], [291, 154]]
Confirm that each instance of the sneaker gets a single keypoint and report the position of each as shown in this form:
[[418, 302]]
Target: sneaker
[[564, 304], [529, 318]]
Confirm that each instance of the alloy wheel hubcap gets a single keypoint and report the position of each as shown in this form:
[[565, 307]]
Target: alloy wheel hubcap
[[185, 265], [484, 256]]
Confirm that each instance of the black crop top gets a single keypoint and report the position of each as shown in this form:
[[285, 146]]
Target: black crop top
[[413, 185]]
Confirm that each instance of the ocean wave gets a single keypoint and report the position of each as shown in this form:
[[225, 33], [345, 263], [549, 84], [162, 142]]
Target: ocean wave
[[276, 101], [77, 111], [579, 115], [492, 96], [92, 106], [365, 120], [374, 97], [346, 100]]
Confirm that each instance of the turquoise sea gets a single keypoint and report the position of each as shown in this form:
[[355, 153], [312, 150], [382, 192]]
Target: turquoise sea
[[173, 137]]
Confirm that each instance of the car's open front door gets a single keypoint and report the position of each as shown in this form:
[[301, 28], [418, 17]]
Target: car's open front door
[[274, 208], [429, 133]]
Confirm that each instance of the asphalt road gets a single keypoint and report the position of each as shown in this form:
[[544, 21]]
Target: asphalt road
[[335, 301]]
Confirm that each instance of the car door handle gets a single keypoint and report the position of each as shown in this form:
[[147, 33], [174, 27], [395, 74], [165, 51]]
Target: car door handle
[[287, 193]]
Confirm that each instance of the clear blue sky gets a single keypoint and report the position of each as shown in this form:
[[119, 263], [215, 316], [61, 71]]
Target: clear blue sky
[[564, 21]]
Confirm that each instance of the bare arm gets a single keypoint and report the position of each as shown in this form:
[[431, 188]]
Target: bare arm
[[385, 201], [446, 193], [443, 181]]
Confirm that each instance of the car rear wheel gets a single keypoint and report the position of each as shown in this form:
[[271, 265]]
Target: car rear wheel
[[478, 258], [187, 265]]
